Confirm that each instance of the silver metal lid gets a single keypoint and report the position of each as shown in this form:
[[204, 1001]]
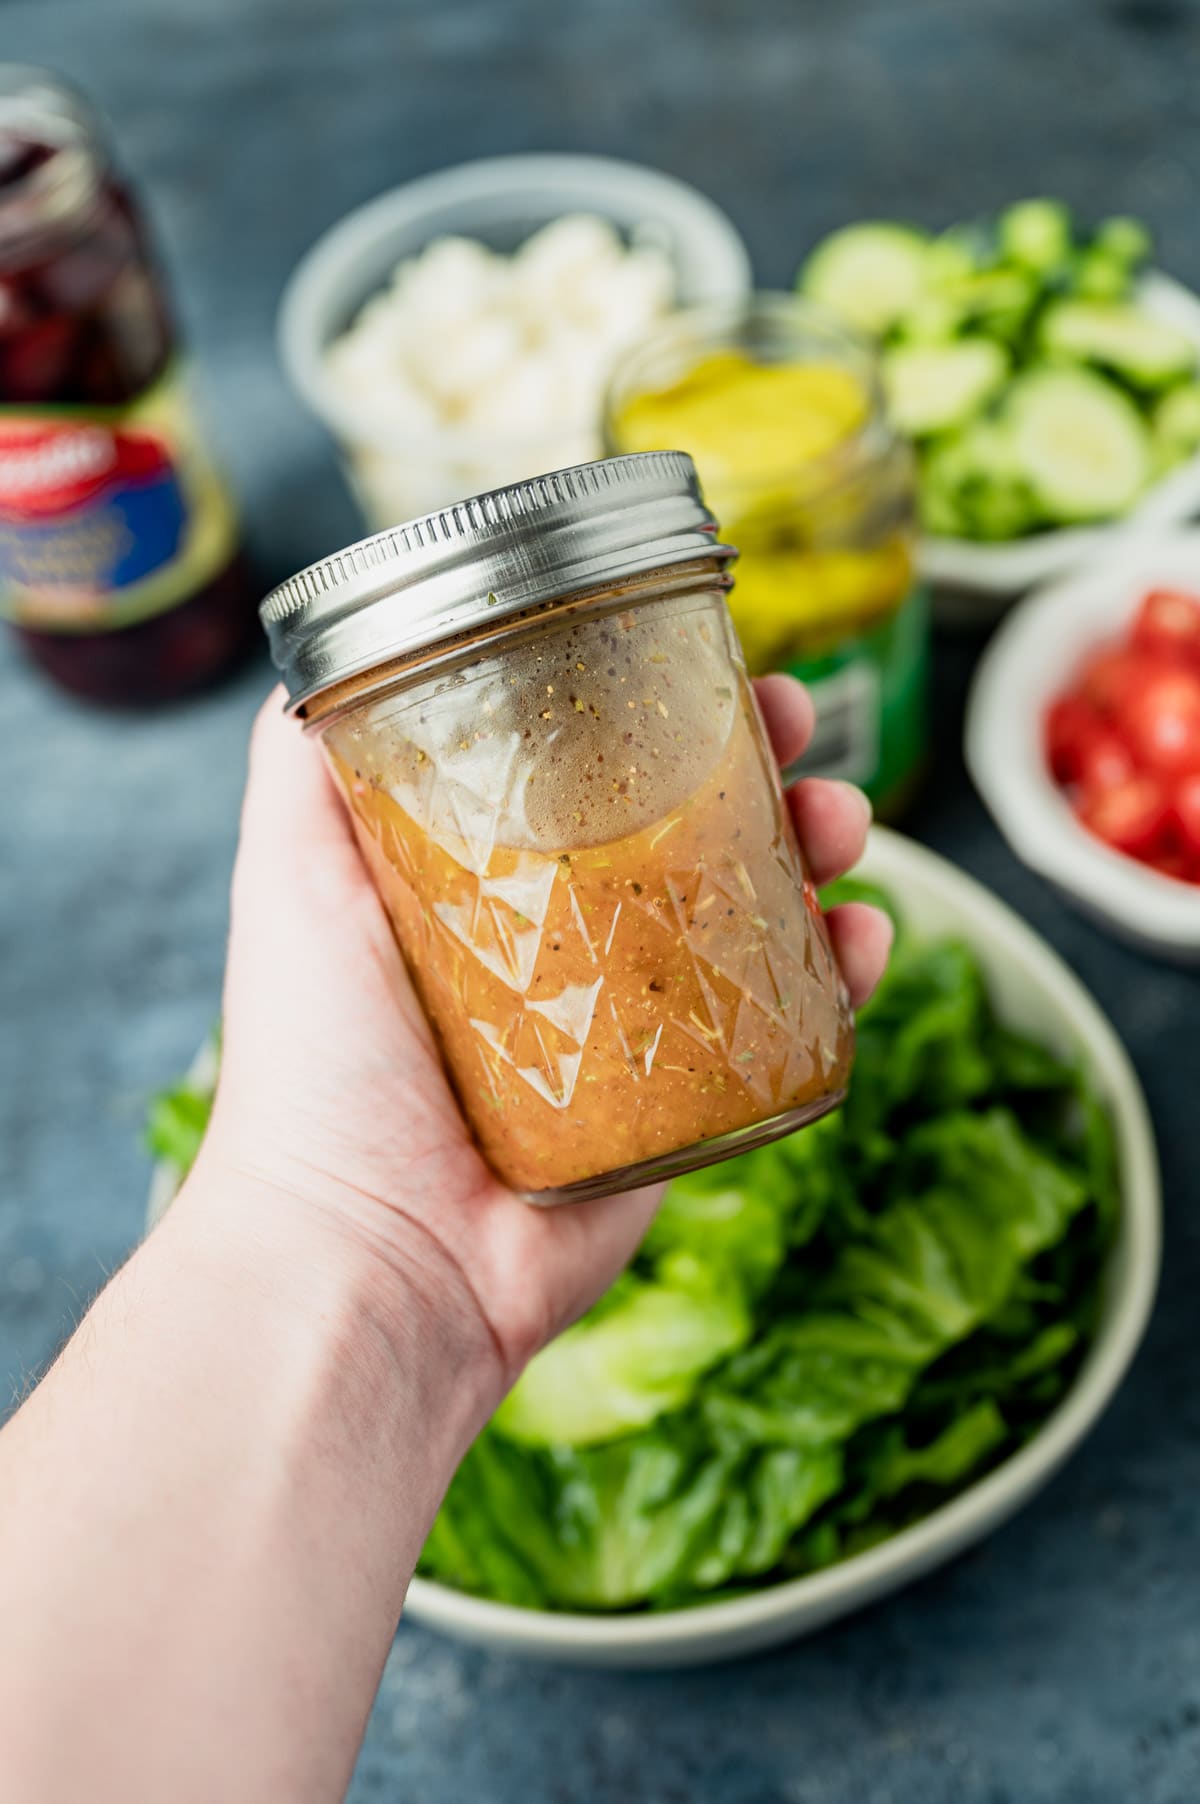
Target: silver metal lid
[[477, 562]]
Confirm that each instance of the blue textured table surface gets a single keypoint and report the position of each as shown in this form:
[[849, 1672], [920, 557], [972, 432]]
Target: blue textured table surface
[[1061, 1661]]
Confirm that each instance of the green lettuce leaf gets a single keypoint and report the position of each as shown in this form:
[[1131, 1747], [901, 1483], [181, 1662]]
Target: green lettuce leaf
[[892, 1479], [929, 1271], [176, 1123], [774, 1432], [661, 1515], [894, 1465], [621, 1369], [727, 1225]]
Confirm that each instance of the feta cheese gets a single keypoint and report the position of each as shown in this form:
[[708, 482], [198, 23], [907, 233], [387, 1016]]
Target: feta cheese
[[501, 363]]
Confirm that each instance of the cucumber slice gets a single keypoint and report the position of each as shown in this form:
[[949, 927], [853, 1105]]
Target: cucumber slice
[[933, 319], [972, 487], [1099, 277], [1118, 337], [939, 513], [1036, 234], [1176, 421], [998, 301], [1079, 442], [931, 388], [1000, 510], [869, 275], [956, 254], [1124, 240]]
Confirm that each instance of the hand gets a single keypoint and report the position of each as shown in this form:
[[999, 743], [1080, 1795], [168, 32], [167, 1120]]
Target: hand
[[332, 1096]]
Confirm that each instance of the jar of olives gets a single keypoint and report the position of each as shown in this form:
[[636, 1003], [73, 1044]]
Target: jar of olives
[[119, 563]]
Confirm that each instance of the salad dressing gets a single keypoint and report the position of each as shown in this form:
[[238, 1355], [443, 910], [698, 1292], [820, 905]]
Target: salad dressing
[[617, 959]]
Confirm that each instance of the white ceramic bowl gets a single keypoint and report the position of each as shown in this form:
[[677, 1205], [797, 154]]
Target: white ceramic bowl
[[975, 582], [1033, 990], [1027, 663], [500, 201]]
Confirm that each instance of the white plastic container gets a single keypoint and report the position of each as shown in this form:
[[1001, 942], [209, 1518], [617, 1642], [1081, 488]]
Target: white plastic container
[[1027, 664], [501, 202]]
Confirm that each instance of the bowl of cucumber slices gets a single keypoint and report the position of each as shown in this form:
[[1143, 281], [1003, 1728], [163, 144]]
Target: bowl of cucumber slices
[[1048, 377]]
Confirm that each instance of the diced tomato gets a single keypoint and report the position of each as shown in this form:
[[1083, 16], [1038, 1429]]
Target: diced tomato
[[1168, 623], [1112, 676], [1162, 723], [1133, 817], [1070, 726], [1177, 864], [1185, 804], [1104, 761], [1125, 739]]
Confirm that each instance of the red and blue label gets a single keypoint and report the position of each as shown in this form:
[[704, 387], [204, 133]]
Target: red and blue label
[[86, 509]]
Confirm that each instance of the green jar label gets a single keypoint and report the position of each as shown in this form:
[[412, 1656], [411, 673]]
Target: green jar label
[[869, 690]]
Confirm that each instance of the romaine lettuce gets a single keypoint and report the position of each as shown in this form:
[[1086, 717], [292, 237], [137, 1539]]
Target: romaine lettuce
[[907, 1290]]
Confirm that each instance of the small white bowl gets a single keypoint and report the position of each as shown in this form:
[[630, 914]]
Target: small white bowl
[[975, 582], [1031, 659], [1035, 991], [501, 201]]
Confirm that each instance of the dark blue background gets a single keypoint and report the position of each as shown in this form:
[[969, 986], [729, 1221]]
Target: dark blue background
[[1061, 1661]]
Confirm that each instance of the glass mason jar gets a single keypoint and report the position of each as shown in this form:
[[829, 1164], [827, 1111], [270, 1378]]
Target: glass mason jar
[[119, 564], [782, 411], [535, 706]]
